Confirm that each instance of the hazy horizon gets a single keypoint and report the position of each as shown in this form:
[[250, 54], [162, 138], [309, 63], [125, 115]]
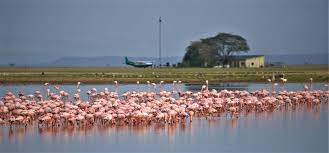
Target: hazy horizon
[[54, 29]]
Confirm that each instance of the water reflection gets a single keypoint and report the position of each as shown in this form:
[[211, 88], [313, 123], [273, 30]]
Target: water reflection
[[233, 124], [302, 126], [66, 134]]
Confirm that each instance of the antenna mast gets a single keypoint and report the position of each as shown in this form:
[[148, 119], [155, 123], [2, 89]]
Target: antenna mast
[[160, 41]]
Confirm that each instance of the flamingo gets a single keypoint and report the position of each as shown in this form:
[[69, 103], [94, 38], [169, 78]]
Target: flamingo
[[174, 86], [207, 85], [148, 85], [272, 85], [160, 85], [143, 108], [116, 86], [283, 82], [137, 82], [311, 84]]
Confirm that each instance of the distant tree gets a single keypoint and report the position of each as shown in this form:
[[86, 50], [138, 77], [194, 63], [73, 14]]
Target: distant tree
[[168, 64], [179, 64], [211, 51]]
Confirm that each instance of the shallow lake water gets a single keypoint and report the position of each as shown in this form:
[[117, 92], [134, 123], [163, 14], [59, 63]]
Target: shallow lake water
[[301, 129], [71, 89]]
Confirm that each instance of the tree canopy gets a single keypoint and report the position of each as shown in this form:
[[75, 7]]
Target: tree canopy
[[215, 50]]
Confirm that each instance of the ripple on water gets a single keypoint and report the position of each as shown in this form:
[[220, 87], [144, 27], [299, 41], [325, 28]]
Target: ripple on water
[[302, 129]]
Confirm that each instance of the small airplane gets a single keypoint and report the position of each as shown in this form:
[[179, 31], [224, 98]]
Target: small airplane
[[142, 64]]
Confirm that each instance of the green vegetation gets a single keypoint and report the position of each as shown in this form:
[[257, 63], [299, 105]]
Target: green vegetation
[[131, 75], [215, 50]]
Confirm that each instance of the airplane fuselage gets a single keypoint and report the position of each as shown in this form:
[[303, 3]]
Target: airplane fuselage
[[139, 64]]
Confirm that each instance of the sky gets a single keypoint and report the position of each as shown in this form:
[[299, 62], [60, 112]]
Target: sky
[[88, 28]]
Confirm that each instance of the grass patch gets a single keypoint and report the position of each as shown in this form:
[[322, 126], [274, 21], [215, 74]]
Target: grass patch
[[187, 75]]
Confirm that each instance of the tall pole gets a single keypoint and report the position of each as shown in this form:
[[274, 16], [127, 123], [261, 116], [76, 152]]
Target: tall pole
[[160, 40]]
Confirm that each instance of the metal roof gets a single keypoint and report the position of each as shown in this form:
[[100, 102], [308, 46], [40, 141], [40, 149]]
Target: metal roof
[[244, 57]]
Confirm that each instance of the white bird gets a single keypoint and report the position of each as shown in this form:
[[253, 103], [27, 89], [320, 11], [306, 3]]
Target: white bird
[[207, 84]]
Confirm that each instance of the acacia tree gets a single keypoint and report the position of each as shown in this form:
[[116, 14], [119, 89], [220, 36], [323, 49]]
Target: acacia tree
[[210, 51], [192, 57]]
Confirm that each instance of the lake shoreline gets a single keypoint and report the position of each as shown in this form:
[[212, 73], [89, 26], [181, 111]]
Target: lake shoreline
[[125, 82]]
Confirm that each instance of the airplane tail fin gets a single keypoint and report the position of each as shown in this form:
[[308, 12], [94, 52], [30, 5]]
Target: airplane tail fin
[[126, 59]]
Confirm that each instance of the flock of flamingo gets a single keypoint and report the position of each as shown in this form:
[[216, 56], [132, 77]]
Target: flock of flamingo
[[58, 108]]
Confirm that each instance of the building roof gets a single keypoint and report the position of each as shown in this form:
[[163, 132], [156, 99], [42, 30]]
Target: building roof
[[244, 57]]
